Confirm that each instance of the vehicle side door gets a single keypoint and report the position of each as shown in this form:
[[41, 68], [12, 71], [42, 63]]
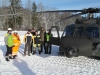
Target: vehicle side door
[[55, 39]]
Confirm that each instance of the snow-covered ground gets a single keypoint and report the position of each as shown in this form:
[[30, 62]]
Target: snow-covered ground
[[46, 64]]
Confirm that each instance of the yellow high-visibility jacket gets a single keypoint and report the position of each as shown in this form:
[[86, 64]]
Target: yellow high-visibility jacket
[[28, 38], [17, 42]]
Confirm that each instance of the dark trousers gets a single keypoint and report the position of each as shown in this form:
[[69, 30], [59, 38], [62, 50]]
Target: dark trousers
[[31, 47], [9, 50], [43, 45], [48, 47], [27, 46]]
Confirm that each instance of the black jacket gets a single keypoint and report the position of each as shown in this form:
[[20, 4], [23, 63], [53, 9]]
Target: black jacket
[[37, 39], [33, 33]]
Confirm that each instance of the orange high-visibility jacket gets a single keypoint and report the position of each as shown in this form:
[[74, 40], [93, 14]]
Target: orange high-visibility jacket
[[17, 42]]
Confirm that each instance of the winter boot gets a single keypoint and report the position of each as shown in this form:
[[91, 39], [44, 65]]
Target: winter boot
[[34, 53], [14, 56], [39, 52], [24, 54], [29, 55], [7, 59], [10, 57]]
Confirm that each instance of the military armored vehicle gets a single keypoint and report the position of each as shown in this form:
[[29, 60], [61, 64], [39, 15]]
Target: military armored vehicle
[[82, 37]]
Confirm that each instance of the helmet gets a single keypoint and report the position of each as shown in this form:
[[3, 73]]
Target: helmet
[[15, 31], [9, 29]]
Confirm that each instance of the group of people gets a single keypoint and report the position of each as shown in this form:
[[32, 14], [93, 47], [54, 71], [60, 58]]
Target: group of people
[[32, 40], [12, 42]]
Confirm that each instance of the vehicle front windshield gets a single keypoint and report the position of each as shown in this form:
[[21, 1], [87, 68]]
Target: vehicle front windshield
[[91, 32], [68, 31], [79, 31]]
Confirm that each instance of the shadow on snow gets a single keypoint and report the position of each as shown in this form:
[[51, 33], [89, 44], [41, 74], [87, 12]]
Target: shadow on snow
[[23, 67], [3, 49]]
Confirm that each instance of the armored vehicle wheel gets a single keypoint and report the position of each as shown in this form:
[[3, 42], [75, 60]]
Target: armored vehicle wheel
[[69, 52]]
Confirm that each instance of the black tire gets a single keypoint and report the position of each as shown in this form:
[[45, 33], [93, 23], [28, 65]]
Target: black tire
[[69, 52]]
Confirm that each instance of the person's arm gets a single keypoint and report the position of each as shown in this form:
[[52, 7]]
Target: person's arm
[[18, 37], [5, 38], [19, 41], [45, 37], [33, 38], [24, 38], [39, 37]]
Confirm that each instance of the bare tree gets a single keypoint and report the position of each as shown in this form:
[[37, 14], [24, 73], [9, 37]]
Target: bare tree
[[46, 19], [29, 8], [3, 10]]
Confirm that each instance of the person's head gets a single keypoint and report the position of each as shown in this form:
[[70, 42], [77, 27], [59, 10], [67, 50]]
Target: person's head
[[32, 30], [42, 28], [9, 30], [48, 31], [29, 31], [36, 32], [15, 32]]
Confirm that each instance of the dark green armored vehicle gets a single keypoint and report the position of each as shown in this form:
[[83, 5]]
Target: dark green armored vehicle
[[81, 38]]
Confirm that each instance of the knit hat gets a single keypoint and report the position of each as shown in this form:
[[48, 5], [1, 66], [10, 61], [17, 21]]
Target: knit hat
[[29, 30]]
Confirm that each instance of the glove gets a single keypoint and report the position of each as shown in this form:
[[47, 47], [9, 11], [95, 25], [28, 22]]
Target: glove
[[18, 39], [13, 45]]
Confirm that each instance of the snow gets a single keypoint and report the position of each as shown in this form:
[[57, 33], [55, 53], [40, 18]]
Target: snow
[[46, 64]]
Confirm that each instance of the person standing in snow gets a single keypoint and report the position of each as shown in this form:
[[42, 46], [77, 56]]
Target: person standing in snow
[[42, 36], [28, 37], [47, 43], [8, 39], [33, 33], [17, 42], [37, 42]]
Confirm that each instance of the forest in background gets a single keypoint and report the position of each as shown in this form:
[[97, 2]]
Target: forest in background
[[31, 20]]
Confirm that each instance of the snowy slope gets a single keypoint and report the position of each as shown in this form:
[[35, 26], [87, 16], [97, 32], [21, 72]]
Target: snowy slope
[[45, 64]]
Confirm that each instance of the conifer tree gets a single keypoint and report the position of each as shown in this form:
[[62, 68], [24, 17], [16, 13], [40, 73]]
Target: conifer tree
[[14, 21], [35, 22]]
